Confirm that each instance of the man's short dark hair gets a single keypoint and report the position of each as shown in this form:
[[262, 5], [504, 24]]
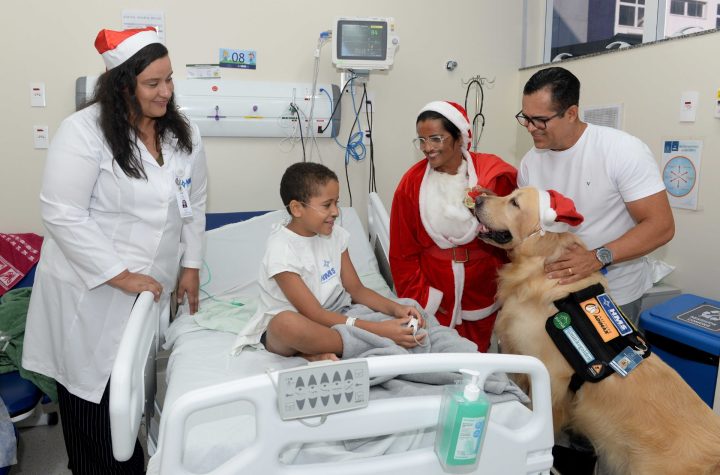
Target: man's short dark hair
[[562, 84], [301, 181]]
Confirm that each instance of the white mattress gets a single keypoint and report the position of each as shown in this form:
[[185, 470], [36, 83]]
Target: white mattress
[[202, 358]]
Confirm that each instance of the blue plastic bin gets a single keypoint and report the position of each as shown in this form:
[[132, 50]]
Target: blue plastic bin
[[685, 333]]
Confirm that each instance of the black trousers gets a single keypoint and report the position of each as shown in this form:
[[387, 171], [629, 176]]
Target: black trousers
[[86, 430]]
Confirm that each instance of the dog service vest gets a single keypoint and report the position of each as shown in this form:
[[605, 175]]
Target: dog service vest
[[595, 337]]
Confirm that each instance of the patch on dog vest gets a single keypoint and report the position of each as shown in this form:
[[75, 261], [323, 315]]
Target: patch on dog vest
[[594, 336]]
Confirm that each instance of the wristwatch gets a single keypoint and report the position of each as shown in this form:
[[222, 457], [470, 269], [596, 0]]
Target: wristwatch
[[604, 255]]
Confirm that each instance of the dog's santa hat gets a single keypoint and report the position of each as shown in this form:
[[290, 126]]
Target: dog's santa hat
[[456, 114], [116, 47], [557, 212]]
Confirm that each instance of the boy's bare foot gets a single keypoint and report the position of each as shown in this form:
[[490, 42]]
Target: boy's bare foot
[[320, 357]]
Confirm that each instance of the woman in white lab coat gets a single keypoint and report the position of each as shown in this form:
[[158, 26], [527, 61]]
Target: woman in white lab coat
[[123, 203]]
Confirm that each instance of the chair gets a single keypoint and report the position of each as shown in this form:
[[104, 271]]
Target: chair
[[21, 396]]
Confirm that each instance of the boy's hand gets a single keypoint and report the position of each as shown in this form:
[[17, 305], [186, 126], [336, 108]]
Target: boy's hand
[[405, 311], [397, 330]]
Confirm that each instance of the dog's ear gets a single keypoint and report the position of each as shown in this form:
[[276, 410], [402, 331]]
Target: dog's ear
[[526, 199]]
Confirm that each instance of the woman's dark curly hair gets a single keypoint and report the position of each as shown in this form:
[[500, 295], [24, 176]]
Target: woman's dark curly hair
[[120, 112]]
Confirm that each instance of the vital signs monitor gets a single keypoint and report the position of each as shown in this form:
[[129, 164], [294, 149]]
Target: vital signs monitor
[[364, 43]]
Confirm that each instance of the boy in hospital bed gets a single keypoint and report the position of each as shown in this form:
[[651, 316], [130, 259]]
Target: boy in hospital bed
[[307, 278]]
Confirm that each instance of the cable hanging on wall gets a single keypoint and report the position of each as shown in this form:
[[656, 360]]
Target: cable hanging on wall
[[372, 185], [476, 83], [355, 148]]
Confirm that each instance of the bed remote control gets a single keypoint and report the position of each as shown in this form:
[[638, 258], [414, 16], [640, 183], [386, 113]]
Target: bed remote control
[[323, 388], [414, 324]]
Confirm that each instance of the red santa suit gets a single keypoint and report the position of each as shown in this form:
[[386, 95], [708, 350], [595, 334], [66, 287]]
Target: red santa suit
[[453, 276]]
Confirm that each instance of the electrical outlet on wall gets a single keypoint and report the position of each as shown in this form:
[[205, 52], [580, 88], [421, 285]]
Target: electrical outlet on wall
[[37, 94], [344, 80], [359, 78], [41, 136]]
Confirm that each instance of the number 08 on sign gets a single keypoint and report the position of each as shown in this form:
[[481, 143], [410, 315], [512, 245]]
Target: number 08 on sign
[[237, 58]]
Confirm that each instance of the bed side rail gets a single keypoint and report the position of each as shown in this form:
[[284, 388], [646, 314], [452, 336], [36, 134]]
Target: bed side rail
[[384, 416], [132, 383], [379, 231]]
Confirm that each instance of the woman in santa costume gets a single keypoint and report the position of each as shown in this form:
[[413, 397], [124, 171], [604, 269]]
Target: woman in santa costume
[[435, 256]]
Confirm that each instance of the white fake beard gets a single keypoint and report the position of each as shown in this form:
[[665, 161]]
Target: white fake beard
[[446, 211]]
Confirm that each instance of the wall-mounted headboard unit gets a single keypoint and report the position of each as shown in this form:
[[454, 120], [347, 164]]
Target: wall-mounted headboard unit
[[231, 108]]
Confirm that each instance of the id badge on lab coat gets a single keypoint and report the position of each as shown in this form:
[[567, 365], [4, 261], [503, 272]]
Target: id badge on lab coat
[[183, 201], [181, 195]]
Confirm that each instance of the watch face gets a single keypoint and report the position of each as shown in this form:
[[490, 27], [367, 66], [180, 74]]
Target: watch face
[[604, 255]]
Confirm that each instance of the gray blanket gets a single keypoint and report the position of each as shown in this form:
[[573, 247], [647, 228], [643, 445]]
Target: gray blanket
[[359, 343]]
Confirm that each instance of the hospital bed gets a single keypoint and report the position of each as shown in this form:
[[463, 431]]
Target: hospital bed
[[220, 415]]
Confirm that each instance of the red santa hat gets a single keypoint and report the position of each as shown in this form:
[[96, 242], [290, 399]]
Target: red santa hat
[[456, 114], [116, 47], [557, 212]]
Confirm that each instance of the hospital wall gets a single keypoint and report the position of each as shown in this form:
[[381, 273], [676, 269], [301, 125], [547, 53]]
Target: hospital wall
[[484, 37], [648, 82]]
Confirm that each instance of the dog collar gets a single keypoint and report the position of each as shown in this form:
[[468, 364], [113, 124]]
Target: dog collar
[[539, 231]]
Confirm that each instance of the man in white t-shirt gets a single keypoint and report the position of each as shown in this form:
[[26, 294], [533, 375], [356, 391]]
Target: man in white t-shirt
[[610, 175], [615, 183]]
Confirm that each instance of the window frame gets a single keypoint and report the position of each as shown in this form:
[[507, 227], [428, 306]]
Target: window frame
[[675, 2], [701, 4], [653, 28], [686, 4], [636, 6]]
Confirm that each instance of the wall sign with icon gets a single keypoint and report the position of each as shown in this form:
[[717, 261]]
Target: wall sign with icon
[[237, 58], [681, 172]]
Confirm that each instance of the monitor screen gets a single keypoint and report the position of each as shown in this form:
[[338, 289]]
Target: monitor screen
[[362, 39]]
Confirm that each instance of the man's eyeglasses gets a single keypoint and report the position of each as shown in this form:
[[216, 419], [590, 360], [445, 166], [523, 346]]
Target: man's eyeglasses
[[537, 122], [435, 141]]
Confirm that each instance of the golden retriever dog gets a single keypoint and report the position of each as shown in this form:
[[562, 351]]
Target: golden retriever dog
[[649, 422]]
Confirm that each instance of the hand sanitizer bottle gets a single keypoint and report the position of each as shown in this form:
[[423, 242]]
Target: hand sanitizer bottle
[[461, 426]]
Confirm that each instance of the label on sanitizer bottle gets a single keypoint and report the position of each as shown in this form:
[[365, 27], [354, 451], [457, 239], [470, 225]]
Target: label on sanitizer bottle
[[468, 443]]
